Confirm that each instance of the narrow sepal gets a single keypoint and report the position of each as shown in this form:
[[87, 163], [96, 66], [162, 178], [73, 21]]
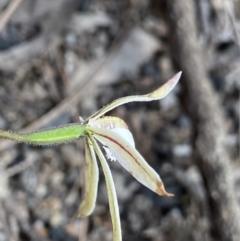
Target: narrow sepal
[[112, 197], [158, 94], [91, 181]]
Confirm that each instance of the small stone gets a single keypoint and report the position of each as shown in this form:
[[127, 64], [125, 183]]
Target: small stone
[[40, 229], [56, 219], [56, 178], [136, 221], [182, 150]]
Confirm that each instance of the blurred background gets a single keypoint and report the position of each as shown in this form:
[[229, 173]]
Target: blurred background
[[61, 59]]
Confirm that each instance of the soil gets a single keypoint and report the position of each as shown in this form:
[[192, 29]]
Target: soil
[[63, 59]]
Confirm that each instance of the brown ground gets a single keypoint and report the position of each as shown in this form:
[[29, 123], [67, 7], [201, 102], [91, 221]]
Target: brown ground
[[62, 59]]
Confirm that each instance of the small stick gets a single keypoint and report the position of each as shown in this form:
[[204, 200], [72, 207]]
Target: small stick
[[8, 13]]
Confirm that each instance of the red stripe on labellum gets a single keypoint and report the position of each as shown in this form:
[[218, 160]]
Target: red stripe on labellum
[[123, 149]]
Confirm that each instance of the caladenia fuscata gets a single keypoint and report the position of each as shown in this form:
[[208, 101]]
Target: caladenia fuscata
[[113, 135]]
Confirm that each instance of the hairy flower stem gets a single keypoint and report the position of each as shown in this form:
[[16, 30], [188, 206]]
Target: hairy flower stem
[[52, 136]]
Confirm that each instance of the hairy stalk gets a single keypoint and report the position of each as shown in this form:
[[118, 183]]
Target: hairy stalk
[[52, 136]]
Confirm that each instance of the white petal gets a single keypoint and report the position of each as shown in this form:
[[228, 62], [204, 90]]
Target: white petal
[[125, 134], [116, 125], [130, 159]]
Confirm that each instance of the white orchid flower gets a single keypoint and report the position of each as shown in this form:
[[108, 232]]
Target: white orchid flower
[[113, 135]]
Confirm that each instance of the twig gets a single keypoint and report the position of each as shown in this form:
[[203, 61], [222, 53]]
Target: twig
[[31, 158], [8, 13], [209, 129]]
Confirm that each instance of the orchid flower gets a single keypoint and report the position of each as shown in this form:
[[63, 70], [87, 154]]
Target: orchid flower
[[111, 134]]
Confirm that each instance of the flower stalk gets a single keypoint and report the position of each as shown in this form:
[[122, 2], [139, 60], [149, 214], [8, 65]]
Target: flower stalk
[[52, 136]]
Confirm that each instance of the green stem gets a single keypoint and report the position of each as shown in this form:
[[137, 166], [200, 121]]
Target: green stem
[[52, 136]]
